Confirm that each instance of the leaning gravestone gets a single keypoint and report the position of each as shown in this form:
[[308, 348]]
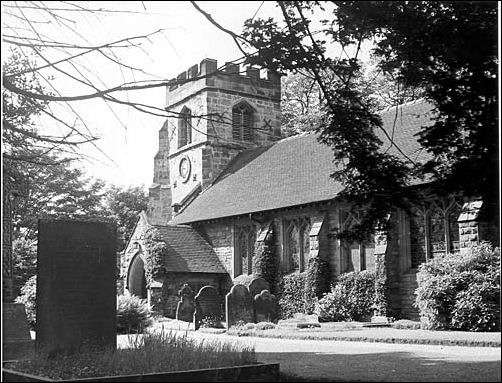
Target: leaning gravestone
[[186, 306], [16, 338], [239, 305], [265, 305], [257, 285], [207, 306], [76, 285]]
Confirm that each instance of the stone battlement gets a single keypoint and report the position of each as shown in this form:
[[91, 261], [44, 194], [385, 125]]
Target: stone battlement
[[230, 70]]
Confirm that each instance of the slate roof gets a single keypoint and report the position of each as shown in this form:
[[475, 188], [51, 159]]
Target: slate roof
[[188, 251], [296, 170]]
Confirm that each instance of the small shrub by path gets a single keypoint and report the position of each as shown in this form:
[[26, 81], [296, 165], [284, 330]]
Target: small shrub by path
[[147, 353]]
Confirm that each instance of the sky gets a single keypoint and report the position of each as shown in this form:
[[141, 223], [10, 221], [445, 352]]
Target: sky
[[128, 138]]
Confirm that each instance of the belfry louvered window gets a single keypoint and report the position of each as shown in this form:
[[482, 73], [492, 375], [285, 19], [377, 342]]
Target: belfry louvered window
[[184, 127], [242, 122]]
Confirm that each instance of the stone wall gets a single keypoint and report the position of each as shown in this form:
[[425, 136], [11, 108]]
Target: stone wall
[[408, 285], [210, 94]]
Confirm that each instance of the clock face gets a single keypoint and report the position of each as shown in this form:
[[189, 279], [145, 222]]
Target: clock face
[[185, 168]]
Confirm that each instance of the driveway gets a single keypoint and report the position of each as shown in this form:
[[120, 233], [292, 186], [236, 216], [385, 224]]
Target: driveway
[[364, 361]]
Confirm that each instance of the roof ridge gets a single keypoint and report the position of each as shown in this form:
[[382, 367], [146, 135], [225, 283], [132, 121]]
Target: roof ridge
[[408, 103]]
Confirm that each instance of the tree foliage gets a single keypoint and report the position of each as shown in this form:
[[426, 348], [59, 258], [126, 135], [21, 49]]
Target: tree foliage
[[123, 205], [24, 259], [447, 50]]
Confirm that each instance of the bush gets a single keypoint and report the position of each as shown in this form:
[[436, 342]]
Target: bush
[[406, 324], [350, 299], [28, 298], [265, 326], [133, 314], [461, 291], [292, 296]]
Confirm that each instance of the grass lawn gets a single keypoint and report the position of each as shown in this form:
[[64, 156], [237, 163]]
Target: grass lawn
[[347, 331]]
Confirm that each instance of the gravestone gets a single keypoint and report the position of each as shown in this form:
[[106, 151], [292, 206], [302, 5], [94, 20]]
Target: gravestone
[[257, 285], [207, 305], [239, 305], [16, 338], [76, 288], [265, 306], [186, 306]]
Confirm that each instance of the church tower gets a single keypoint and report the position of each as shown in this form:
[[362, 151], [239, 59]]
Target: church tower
[[216, 113]]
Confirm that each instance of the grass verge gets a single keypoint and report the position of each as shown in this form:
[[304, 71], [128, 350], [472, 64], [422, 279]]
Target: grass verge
[[149, 353]]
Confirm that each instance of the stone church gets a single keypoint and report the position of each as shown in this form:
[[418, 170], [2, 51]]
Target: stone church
[[224, 176]]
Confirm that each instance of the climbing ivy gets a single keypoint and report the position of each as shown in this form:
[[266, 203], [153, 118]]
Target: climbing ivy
[[266, 261], [156, 250]]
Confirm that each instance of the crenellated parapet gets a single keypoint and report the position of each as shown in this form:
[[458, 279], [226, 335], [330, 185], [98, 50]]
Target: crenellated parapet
[[231, 77]]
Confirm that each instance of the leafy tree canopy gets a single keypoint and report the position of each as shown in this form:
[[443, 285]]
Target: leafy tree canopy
[[447, 50]]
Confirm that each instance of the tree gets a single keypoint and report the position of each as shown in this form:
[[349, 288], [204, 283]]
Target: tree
[[124, 205], [57, 190], [301, 103], [446, 49], [24, 254]]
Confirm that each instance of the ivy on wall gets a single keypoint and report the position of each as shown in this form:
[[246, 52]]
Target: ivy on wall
[[266, 261], [156, 250]]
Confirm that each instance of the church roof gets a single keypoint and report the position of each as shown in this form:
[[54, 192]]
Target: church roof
[[188, 251], [296, 170]]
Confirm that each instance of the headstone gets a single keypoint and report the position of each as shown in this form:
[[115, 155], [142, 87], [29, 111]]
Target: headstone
[[257, 285], [76, 289], [207, 306], [186, 306], [16, 338], [265, 306], [239, 305]]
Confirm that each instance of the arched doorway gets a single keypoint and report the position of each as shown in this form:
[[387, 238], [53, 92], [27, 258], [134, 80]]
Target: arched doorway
[[136, 281]]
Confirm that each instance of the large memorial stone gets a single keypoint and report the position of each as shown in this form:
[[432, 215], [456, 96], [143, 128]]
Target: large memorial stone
[[207, 306], [186, 305], [257, 285], [16, 338], [265, 305], [76, 289], [239, 306]]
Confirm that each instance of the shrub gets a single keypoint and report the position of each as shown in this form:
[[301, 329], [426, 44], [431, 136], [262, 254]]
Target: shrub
[[265, 326], [461, 291], [292, 296], [406, 324], [317, 282], [133, 314], [28, 298], [350, 299], [266, 261], [210, 321]]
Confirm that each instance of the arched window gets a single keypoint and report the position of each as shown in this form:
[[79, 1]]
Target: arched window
[[245, 238], [242, 122], [434, 230], [297, 244], [184, 127]]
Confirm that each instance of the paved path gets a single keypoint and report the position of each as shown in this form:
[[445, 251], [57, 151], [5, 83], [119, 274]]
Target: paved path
[[362, 361]]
